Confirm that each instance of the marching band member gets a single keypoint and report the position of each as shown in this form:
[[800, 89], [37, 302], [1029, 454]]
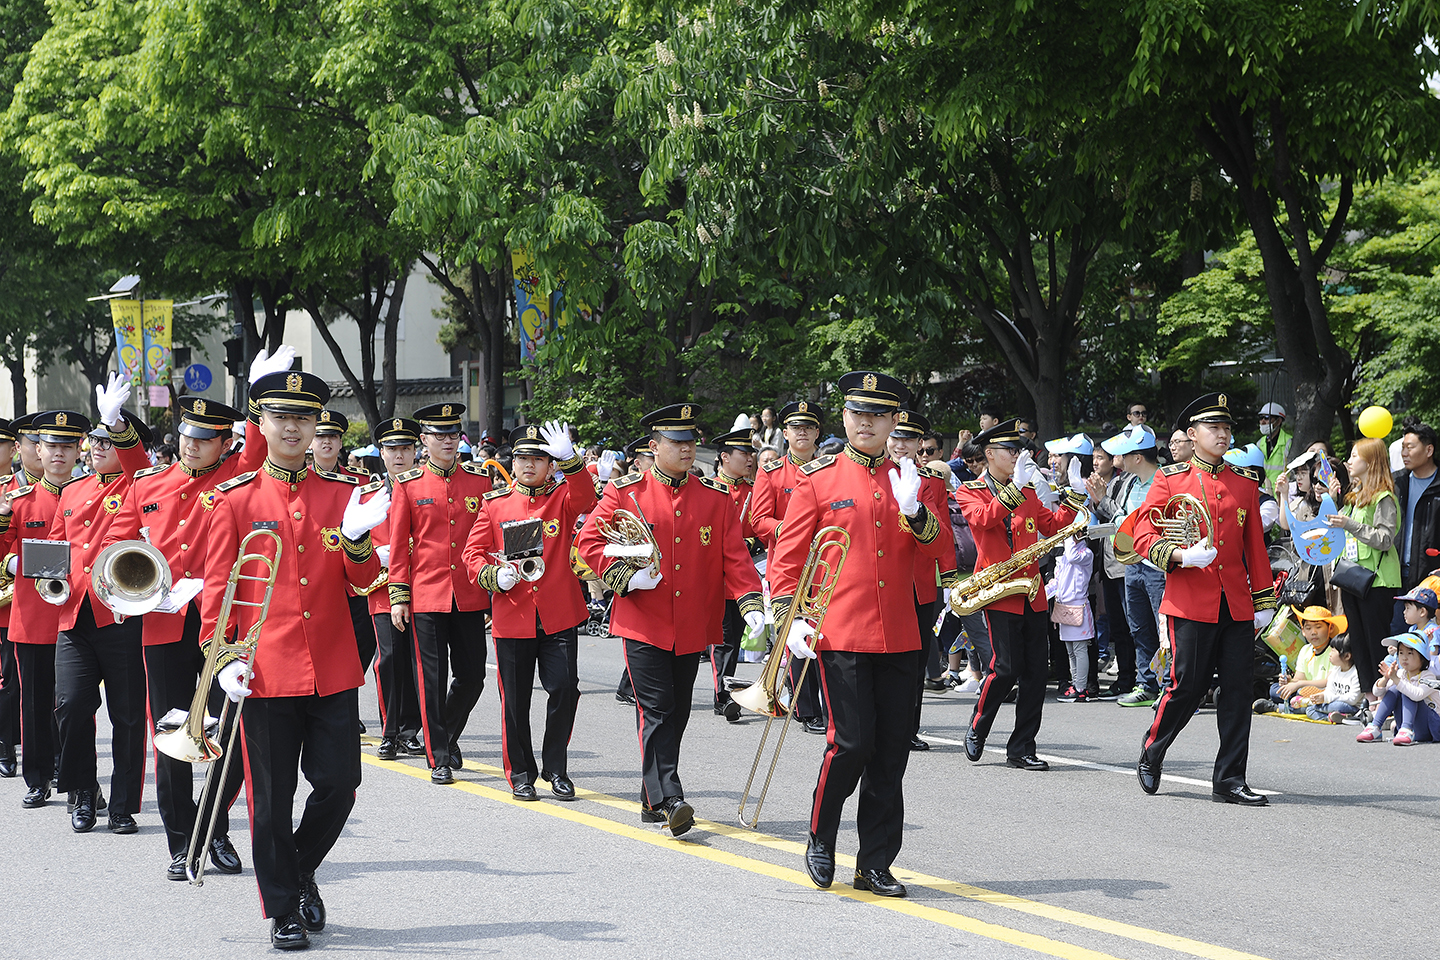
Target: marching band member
[[904, 444], [736, 470], [534, 623], [670, 609], [1010, 508], [434, 511], [1218, 593], [28, 513], [640, 459], [869, 644], [10, 680], [302, 697], [94, 646], [800, 423], [395, 657]]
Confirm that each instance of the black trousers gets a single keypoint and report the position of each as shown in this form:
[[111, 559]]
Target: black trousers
[[1369, 626], [1122, 645], [445, 642], [869, 699], [808, 704], [925, 617], [516, 661], [85, 657], [395, 679], [625, 687], [1020, 657], [171, 672], [1198, 650], [9, 698], [286, 736], [35, 665], [364, 629], [725, 655], [664, 684]]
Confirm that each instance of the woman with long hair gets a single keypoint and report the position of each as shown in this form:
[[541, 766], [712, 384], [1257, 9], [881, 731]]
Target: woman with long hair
[[1371, 518]]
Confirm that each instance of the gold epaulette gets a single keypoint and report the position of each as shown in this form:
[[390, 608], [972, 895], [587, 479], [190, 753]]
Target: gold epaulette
[[976, 484], [373, 486], [342, 477], [234, 482], [819, 463], [714, 484], [1249, 473], [150, 471], [410, 475], [470, 466], [494, 494], [21, 491], [927, 472], [774, 465], [628, 479], [1175, 468]]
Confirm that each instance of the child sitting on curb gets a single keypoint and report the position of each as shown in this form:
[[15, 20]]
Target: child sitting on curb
[[1342, 695], [1293, 694], [1408, 689]]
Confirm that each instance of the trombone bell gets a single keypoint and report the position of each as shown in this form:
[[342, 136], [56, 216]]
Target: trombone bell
[[181, 745]]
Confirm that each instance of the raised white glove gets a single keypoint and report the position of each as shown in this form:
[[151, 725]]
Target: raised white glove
[[1263, 618], [361, 518], [110, 398], [605, 469], [1077, 482], [1046, 494], [232, 681], [506, 579], [754, 621], [265, 363], [557, 440], [1199, 556], [382, 550], [798, 642], [905, 484], [646, 578], [1025, 470]]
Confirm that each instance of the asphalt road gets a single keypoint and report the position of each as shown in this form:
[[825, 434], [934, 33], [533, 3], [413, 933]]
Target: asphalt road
[[1075, 862]]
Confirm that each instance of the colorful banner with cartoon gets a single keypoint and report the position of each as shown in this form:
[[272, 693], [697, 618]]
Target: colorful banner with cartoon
[[129, 340], [158, 328], [536, 307]]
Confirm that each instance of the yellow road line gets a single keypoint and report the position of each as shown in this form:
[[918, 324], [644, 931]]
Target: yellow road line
[[948, 918]]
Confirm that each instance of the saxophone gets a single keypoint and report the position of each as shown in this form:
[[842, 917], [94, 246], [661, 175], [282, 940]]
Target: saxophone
[[998, 581]]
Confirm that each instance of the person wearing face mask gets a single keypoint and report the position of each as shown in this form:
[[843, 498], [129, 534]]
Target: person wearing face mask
[[1275, 443]]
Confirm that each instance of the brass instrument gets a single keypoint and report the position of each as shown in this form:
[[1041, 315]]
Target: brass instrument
[[191, 743], [380, 581], [828, 550], [7, 589], [527, 569], [998, 581], [630, 537], [53, 590], [1184, 520], [131, 577]]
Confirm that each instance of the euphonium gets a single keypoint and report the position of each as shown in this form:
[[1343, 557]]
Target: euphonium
[[998, 581]]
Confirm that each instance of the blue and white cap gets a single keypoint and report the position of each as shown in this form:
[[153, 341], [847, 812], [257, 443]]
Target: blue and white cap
[[1131, 440], [1079, 444], [1247, 456]]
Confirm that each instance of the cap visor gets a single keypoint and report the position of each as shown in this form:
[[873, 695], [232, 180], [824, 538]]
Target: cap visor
[[58, 438], [274, 406], [677, 434], [867, 406], [197, 432], [398, 442]]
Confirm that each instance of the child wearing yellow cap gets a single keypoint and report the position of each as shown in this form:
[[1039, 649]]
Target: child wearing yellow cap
[[1295, 693]]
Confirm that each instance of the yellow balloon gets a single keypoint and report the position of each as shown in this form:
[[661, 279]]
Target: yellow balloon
[[1375, 422]]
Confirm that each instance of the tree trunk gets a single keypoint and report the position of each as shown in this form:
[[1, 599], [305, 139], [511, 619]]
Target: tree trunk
[[19, 388], [387, 363], [311, 300]]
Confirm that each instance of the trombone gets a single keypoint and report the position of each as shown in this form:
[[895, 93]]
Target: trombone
[[813, 591], [191, 743]]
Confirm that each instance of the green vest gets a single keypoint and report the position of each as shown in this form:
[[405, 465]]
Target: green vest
[[1386, 565], [1276, 459]]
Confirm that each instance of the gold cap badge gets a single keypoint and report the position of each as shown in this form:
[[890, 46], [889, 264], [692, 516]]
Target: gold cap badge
[[870, 382], [292, 383], [199, 408], [685, 412], [61, 419]]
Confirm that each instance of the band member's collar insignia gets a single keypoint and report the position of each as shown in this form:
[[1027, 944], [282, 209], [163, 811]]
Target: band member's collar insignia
[[1211, 468], [864, 459], [528, 490], [45, 484], [795, 460], [668, 480], [724, 477], [190, 472], [440, 471], [107, 478], [32, 478], [283, 475]]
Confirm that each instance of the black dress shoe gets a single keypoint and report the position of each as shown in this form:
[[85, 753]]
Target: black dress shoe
[[176, 870], [288, 933], [389, 748], [1149, 775], [35, 797], [879, 882], [1028, 762], [123, 823], [817, 725], [625, 698], [413, 746], [1242, 795], [974, 747], [82, 816], [362, 728], [917, 744], [100, 803], [312, 908], [223, 856], [730, 711], [456, 760], [819, 862], [679, 815], [652, 814], [524, 791], [562, 787], [8, 767], [441, 774]]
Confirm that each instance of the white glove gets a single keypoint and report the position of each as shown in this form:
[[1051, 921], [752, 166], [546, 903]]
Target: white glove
[[1199, 556], [798, 643], [361, 518], [506, 579], [647, 578], [232, 681], [13, 566], [1077, 482], [557, 440], [1046, 494], [905, 484], [110, 398], [1025, 470], [754, 621], [605, 469], [265, 363], [1263, 618], [382, 550]]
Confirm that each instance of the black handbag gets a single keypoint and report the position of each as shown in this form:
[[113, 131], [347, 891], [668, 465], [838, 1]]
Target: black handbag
[[1353, 578]]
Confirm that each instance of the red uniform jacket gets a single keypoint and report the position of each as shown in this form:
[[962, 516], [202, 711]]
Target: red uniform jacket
[[431, 514], [556, 597], [742, 494], [173, 505], [936, 497], [1241, 569], [703, 561], [7, 483], [873, 607], [32, 518], [307, 645], [1028, 521], [773, 486]]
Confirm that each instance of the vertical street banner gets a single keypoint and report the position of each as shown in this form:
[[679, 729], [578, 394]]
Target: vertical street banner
[[535, 307], [129, 341], [158, 328]]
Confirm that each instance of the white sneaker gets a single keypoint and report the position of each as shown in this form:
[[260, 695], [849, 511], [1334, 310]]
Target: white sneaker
[[971, 685]]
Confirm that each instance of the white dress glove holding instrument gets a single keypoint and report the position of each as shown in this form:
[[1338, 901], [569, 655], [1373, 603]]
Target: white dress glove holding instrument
[[647, 578], [798, 642], [361, 518], [110, 398], [754, 621], [1197, 557], [506, 579], [232, 681], [905, 484]]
